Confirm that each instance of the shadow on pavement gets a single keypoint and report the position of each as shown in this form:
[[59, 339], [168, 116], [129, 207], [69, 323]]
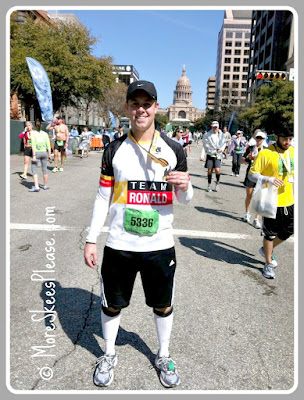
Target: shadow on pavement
[[219, 213], [219, 251], [78, 312]]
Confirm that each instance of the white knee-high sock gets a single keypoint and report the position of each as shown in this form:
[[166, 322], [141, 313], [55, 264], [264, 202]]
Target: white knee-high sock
[[110, 326], [163, 328]]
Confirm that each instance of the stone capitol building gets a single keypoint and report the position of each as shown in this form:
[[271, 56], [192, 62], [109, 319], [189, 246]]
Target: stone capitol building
[[182, 112]]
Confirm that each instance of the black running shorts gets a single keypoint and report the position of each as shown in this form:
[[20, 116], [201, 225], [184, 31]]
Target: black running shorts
[[59, 147], [119, 269], [282, 226], [28, 151], [212, 162]]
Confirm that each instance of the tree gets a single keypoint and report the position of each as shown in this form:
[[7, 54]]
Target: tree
[[65, 53], [160, 120], [114, 101], [273, 109], [203, 123]]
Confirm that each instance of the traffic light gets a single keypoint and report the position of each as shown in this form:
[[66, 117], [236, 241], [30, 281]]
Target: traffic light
[[271, 75]]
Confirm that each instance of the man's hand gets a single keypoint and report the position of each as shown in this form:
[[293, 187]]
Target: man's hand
[[179, 179], [276, 181], [90, 255]]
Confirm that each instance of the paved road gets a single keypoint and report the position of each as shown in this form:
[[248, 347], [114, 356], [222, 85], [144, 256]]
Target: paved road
[[233, 329]]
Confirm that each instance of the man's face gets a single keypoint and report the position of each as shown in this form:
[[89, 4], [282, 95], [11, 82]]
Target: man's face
[[284, 142], [141, 111], [215, 128]]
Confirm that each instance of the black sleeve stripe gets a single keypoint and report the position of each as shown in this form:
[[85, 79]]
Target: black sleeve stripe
[[108, 155], [179, 152]]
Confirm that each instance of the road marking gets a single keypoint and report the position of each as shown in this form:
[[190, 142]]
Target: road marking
[[177, 232]]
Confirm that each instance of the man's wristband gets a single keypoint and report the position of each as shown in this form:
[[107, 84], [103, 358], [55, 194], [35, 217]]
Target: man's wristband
[[90, 243]]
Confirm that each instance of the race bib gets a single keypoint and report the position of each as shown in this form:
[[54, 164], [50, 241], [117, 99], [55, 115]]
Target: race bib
[[60, 142], [141, 222]]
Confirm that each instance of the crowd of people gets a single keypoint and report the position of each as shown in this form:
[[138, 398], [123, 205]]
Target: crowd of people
[[57, 145], [140, 172]]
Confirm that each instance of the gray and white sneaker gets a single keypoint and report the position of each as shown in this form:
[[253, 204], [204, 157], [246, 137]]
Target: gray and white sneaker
[[256, 223], [209, 188], [268, 271], [168, 374], [273, 257], [217, 188], [104, 371]]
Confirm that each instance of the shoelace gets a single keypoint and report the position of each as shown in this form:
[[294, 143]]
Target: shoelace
[[105, 363], [167, 365]]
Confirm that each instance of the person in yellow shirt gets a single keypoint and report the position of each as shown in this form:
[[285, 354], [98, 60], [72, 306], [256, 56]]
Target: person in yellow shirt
[[276, 165]]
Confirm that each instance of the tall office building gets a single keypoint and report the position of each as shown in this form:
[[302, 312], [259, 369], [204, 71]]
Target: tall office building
[[233, 59], [271, 45], [210, 95]]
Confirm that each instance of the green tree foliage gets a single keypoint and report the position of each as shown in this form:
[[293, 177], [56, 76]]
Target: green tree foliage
[[65, 53], [161, 120], [203, 123], [273, 109]]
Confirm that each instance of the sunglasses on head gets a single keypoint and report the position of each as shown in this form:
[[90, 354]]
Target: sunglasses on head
[[259, 137]]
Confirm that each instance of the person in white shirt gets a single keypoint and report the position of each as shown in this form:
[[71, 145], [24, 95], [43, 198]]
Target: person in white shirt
[[140, 173], [214, 143]]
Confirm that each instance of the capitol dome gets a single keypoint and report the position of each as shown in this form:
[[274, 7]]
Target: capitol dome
[[183, 81], [183, 92]]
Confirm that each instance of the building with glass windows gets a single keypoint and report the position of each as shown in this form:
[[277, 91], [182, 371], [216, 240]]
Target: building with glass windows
[[271, 45], [233, 54]]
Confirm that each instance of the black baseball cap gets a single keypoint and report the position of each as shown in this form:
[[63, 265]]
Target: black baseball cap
[[146, 86]]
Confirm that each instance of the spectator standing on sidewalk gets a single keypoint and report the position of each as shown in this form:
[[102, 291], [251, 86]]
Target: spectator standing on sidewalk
[[255, 145], [275, 165], [139, 173], [237, 149], [61, 143], [214, 143], [41, 152], [26, 135]]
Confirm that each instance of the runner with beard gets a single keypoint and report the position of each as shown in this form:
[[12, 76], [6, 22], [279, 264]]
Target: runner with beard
[[276, 165]]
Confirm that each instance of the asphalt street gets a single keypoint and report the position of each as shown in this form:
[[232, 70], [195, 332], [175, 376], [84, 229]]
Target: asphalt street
[[233, 329]]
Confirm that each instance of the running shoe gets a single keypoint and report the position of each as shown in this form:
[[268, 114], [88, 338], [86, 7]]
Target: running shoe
[[247, 217], [46, 187], [217, 188], [104, 371], [268, 271], [232, 174], [23, 176], [34, 189], [273, 257], [209, 188], [256, 223], [55, 169], [237, 174], [60, 169], [168, 374]]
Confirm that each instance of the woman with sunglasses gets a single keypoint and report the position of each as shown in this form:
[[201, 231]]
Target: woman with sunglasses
[[255, 144]]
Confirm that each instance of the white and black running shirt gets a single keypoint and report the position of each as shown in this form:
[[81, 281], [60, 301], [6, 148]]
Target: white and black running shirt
[[134, 188]]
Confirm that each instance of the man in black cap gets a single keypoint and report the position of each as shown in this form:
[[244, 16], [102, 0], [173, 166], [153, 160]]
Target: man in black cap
[[140, 171], [275, 165]]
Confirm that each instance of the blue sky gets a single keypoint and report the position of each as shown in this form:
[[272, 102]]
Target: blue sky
[[158, 43]]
